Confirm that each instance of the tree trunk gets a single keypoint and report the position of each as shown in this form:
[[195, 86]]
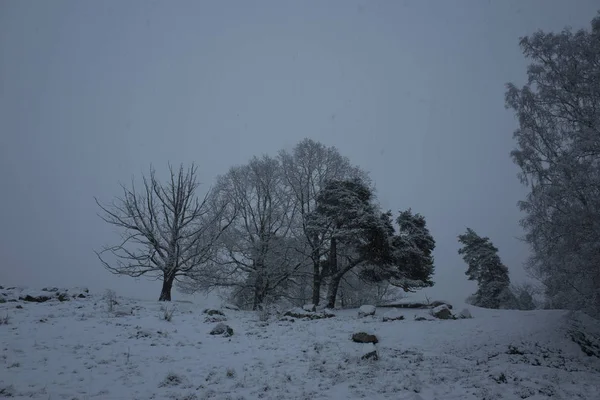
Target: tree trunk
[[316, 290], [334, 284], [165, 293], [260, 293]]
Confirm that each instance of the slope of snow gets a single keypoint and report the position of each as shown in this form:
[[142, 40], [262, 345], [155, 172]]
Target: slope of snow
[[78, 350]]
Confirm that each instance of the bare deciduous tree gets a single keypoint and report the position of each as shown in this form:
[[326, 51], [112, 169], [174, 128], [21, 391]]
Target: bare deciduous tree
[[166, 229], [255, 256]]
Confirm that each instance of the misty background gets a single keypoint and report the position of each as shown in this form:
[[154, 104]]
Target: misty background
[[92, 93]]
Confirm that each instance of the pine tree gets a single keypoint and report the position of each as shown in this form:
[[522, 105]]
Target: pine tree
[[347, 218], [485, 267], [414, 247], [406, 261]]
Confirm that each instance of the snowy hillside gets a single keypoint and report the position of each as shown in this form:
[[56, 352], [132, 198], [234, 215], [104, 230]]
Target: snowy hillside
[[76, 349]]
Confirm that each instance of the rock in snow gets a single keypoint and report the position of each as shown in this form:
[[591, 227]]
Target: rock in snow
[[222, 329], [442, 312], [393, 315], [363, 337], [366, 310]]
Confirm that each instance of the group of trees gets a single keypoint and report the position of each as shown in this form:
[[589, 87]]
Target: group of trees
[[305, 225], [558, 152], [301, 226]]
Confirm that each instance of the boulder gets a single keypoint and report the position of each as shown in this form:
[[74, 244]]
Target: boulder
[[438, 303], [442, 312], [393, 315], [363, 337], [222, 329], [465, 314], [366, 310]]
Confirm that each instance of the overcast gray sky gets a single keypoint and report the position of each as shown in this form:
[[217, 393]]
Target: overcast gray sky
[[413, 91]]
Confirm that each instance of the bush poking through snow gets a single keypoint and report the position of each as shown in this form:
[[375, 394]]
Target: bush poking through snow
[[586, 343], [301, 314], [7, 391], [110, 297], [4, 320], [167, 312], [211, 312], [230, 373], [172, 379]]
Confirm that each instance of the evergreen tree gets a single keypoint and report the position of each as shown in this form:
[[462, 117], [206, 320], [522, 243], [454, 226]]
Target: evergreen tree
[[347, 218], [407, 259], [485, 267]]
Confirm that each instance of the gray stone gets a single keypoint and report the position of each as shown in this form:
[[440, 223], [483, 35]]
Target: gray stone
[[222, 329], [363, 337]]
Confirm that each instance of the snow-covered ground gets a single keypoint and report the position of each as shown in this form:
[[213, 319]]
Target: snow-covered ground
[[76, 349]]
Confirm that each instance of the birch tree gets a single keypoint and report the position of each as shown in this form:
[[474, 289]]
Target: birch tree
[[558, 152]]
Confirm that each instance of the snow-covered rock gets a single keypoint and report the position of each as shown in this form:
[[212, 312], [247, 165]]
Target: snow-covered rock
[[465, 314], [393, 315], [442, 312], [222, 329], [366, 310]]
